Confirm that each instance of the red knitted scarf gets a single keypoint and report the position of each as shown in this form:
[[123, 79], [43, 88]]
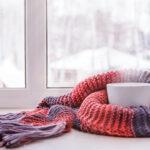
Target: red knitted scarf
[[85, 108]]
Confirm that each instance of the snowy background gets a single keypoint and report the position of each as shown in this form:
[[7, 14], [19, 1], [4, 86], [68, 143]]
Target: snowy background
[[12, 67], [86, 37]]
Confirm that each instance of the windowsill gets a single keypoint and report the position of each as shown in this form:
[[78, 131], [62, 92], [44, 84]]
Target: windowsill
[[76, 140]]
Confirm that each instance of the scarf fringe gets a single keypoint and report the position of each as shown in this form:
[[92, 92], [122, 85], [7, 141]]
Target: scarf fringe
[[14, 134]]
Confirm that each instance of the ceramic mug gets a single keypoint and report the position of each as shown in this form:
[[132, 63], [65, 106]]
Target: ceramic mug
[[127, 94]]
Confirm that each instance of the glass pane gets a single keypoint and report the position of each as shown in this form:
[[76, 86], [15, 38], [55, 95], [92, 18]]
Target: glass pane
[[12, 50], [86, 37]]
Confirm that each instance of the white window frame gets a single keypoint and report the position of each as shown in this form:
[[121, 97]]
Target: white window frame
[[35, 61]]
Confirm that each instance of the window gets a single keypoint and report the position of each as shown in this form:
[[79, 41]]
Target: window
[[86, 37], [30, 49], [61, 42]]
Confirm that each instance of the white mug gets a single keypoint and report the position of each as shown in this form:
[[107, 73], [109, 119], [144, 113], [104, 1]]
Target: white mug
[[127, 94]]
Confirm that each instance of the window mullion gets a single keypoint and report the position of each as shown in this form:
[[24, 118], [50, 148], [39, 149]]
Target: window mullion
[[36, 44]]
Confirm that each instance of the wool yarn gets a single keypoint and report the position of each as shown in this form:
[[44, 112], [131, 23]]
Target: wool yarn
[[85, 108]]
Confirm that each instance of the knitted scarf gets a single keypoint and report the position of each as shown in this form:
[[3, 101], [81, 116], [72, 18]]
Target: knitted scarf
[[85, 108]]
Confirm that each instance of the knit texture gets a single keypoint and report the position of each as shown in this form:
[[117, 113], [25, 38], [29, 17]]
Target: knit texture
[[85, 108]]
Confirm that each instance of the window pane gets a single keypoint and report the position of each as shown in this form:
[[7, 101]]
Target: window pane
[[86, 37], [12, 50]]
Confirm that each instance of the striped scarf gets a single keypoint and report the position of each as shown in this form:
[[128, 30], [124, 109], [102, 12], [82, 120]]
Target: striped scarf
[[85, 108]]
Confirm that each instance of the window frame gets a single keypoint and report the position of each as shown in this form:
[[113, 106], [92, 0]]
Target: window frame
[[35, 61]]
